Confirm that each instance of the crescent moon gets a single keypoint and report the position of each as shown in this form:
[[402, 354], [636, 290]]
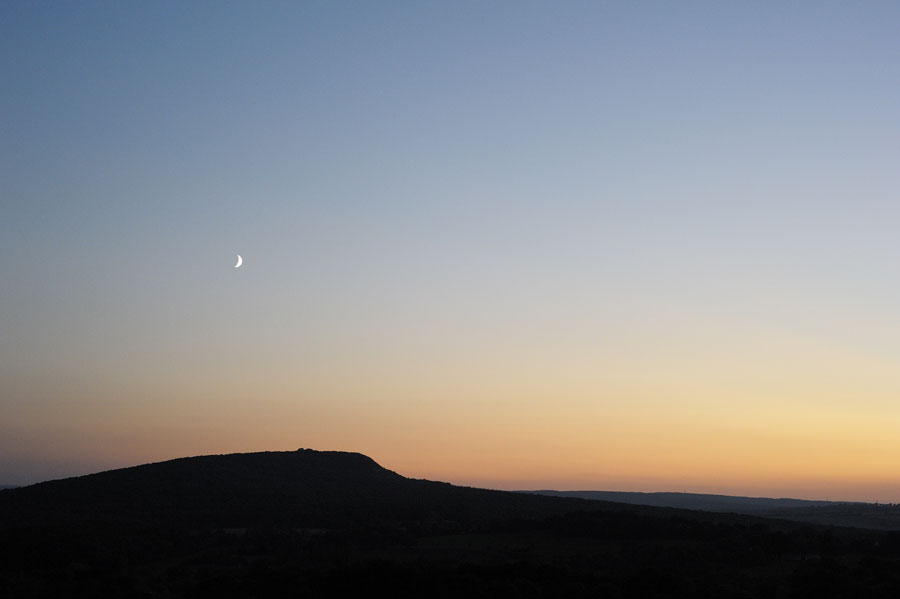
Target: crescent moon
[[239, 262]]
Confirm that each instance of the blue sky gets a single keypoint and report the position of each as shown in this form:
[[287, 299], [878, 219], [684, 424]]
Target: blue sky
[[433, 193]]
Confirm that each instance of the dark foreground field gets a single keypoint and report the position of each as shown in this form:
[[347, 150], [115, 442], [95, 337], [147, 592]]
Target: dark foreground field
[[327, 524]]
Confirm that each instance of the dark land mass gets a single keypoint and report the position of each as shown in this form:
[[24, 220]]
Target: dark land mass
[[2, 487], [832, 513], [334, 524], [691, 501]]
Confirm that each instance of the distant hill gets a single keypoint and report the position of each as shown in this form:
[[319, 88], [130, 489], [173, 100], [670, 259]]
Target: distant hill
[[691, 501], [8, 487], [833, 513]]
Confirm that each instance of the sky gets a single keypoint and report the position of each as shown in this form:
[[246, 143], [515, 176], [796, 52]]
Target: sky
[[604, 245]]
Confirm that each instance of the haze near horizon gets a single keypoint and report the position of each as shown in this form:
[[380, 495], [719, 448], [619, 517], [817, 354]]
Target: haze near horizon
[[621, 247]]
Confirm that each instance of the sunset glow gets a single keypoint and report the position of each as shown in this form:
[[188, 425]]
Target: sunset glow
[[610, 247]]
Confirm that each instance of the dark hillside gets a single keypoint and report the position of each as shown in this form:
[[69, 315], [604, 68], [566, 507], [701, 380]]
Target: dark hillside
[[851, 514], [692, 501], [304, 488], [334, 524]]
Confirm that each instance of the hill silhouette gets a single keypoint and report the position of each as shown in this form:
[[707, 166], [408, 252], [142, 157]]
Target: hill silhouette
[[852, 514], [329, 524], [695, 501], [304, 488]]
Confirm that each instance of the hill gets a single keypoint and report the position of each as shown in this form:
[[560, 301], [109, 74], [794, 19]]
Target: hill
[[692, 501], [834, 513], [303, 488], [331, 524]]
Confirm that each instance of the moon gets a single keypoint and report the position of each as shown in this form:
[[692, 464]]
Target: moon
[[239, 262]]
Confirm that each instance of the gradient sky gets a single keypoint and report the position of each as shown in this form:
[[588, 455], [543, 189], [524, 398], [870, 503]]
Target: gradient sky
[[625, 246]]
